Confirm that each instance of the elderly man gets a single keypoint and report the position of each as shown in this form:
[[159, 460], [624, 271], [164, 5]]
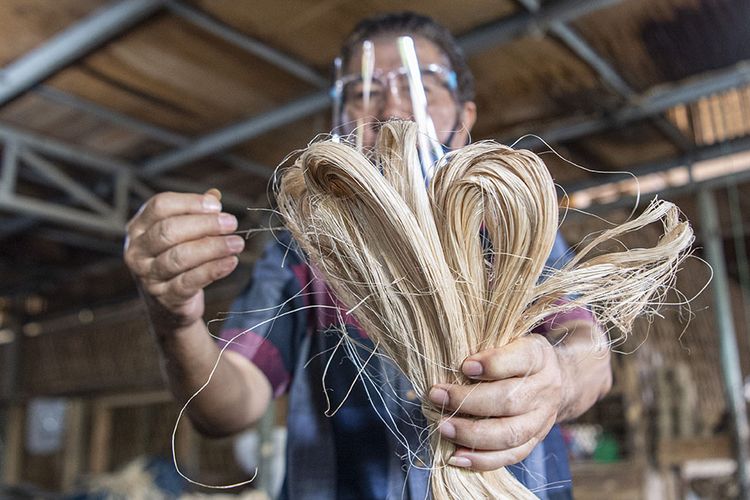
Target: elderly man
[[180, 243]]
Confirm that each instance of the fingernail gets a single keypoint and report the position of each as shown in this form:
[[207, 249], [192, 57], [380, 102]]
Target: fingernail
[[211, 204], [227, 221], [230, 263], [472, 368], [459, 462], [447, 429], [439, 396], [235, 243]]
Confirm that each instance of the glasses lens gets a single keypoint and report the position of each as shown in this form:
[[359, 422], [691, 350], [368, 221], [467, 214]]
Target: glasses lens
[[392, 91], [357, 99], [436, 86]]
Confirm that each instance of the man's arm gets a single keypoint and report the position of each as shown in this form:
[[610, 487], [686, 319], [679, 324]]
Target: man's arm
[[176, 245], [526, 386], [238, 394], [583, 355]]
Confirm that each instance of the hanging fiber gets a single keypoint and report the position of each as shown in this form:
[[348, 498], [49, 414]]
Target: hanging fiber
[[439, 274]]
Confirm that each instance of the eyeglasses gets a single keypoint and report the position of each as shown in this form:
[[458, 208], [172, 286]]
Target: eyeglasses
[[439, 84]]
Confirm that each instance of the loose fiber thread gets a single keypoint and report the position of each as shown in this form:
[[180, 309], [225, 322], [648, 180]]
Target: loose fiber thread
[[429, 291]]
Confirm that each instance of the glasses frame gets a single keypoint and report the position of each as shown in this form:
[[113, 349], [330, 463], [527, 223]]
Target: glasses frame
[[447, 76]]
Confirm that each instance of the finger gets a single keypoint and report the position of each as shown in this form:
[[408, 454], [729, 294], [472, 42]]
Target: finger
[[492, 460], [214, 192], [176, 230], [522, 357], [169, 204], [185, 256], [186, 285], [494, 433], [502, 398]]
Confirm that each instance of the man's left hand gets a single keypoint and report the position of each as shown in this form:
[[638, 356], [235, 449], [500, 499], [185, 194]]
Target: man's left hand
[[510, 410]]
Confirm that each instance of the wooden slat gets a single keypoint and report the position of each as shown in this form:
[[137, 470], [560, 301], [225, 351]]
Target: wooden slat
[[25, 24], [722, 117], [135, 399], [640, 143], [36, 114], [291, 25], [613, 481], [271, 148], [655, 41], [101, 431], [73, 449], [13, 449], [675, 451], [514, 90], [171, 73]]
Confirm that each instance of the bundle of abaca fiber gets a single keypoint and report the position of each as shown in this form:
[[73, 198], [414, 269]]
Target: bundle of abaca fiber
[[435, 275]]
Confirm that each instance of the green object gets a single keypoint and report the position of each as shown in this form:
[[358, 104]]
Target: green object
[[607, 449]]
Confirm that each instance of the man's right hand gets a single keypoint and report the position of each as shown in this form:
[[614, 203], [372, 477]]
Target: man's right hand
[[176, 245]]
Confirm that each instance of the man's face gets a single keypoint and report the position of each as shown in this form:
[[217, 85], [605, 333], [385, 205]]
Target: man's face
[[389, 94]]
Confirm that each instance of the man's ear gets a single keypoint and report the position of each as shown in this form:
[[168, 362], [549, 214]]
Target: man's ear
[[467, 118]]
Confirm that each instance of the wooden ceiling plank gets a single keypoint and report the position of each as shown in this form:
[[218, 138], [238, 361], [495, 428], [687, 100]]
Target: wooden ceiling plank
[[251, 45], [474, 42], [28, 23], [153, 131], [72, 44], [656, 100]]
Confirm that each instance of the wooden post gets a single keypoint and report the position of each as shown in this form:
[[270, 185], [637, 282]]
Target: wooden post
[[13, 459], [73, 451], [101, 423], [101, 429]]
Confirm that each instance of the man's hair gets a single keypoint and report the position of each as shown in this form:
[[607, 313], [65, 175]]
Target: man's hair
[[411, 23]]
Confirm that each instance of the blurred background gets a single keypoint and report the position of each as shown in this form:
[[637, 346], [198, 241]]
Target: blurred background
[[104, 103]]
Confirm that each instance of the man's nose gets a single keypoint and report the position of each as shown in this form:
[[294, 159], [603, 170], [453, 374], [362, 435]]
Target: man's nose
[[396, 106]]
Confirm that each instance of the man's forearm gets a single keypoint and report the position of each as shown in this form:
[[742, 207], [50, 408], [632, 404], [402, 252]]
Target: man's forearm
[[584, 358], [238, 393]]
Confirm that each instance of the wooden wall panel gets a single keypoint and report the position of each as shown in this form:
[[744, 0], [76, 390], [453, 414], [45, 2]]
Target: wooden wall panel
[[104, 350], [101, 356], [683, 335]]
